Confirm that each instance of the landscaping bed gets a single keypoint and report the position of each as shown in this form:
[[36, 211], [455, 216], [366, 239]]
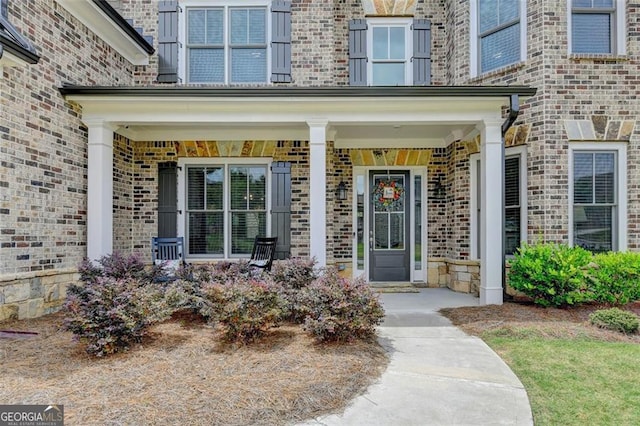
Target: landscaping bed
[[182, 372]]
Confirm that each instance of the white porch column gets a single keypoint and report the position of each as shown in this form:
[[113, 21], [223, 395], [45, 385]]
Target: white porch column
[[318, 190], [491, 160], [99, 189]]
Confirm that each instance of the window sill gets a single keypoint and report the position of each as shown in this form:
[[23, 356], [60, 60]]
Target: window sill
[[601, 58], [498, 72]]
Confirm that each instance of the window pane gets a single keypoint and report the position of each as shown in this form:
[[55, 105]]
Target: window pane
[[388, 74], [257, 26], [593, 227], [380, 43], [582, 178], [196, 24], [604, 178], [512, 181], [206, 65], [239, 188], [396, 40], [418, 222], [381, 233], [257, 188], [206, 233], [215, 181], [248, 65], [215, 24], [500, 48], [488, 15], [582, 3], [603, 3], [195, 188], [396, 231], [591, 33], [238, 30], [509, 10], [245, 226], [512, 230]]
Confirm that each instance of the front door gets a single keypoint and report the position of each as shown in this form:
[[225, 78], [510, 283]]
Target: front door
[[389, 241]]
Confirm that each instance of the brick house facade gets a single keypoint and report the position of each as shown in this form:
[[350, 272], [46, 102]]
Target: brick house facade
[[85, 129]]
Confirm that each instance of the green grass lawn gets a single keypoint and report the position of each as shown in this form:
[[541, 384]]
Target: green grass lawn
[[574, 381]]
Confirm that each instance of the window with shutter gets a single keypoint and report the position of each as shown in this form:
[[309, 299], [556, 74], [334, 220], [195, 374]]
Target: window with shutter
[[389, 52], [515, 203]]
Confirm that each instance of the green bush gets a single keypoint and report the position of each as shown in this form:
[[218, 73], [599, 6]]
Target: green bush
[[341, 309], [551, 274], [108, 313], [616, 319], [245, 307], [294, 276], [615, 277]]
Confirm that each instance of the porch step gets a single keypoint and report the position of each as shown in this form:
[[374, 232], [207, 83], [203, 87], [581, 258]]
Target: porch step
[[393, 287]]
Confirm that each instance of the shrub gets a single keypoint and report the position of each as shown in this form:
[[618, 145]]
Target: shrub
[[115, 265], [294, 276], [187, 294], [551, 274], [227, 271], [341, 309], [245, 307], [616, 319], [615, 277], [109, 313]]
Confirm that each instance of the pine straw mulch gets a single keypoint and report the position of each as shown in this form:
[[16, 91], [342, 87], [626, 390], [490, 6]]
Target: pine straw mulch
[[527, 319], [183, 374]]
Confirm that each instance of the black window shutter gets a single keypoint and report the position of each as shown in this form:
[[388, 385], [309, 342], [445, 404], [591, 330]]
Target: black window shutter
[[167, 199], [358, 52], [281, 41], [168, 41], [421, 52], [281, 208]]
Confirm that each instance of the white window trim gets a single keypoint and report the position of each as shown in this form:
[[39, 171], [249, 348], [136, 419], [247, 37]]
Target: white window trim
[[621, 186], [619, 39], [182, 34], [475, 39], [474, 160], [387, 22], [182, 200]]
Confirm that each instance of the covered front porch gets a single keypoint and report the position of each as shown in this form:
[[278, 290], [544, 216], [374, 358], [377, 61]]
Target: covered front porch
[[356, 139]]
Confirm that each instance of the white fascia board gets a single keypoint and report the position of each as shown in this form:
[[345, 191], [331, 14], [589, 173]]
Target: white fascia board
[[97, 21], [125, 109], [9, 60]]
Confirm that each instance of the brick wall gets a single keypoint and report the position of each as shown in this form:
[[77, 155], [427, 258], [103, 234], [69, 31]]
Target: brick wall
[[43, 141]]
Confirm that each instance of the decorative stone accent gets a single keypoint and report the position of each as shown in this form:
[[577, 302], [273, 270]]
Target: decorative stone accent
[[390, 157], [459, 275], [225, 148], [599, 128], [34, 294], [389, 7]]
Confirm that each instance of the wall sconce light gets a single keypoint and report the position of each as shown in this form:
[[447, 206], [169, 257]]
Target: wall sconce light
[[341, 191], [439, 191]]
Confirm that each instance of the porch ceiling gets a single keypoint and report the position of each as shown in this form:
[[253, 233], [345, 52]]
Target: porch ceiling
[[356, 117]]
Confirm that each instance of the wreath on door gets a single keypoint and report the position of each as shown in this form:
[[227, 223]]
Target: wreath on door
[[386, 193]]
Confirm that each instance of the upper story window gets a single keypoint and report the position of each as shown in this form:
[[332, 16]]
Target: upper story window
[[389, 52], [597, 26], [498, 34], [224, 41], [227, 45]]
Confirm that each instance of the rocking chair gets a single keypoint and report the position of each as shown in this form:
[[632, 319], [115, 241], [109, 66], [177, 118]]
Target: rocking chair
[[264, 249]]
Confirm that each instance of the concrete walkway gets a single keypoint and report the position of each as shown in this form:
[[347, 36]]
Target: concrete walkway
[[437, 374]]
